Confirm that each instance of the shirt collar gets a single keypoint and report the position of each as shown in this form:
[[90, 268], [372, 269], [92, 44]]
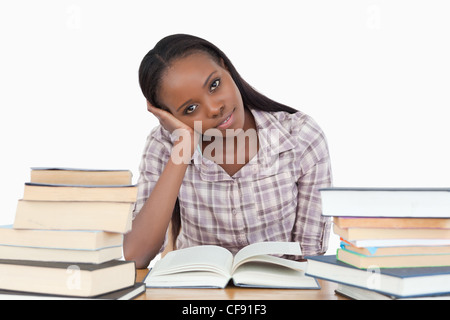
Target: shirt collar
[[272, 134]]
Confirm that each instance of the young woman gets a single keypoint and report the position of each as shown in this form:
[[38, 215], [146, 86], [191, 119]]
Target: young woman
[[227, 166]]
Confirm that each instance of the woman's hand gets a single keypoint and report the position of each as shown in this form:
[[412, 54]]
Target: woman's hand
[[166, 119], [181, 134]]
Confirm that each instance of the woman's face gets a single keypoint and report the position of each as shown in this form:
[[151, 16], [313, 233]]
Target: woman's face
[[196, 88]]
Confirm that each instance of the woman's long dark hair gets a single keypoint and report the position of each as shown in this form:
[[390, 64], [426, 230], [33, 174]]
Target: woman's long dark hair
[[177, 46]]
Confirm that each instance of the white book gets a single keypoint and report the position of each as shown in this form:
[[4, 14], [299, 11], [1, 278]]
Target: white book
[[386, 202], [59, 239], [364, 243], [397, 282], [60, 255]]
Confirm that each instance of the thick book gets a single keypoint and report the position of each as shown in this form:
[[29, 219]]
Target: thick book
[[378, 243], [356, 293], [394, 261], [386, 202], [74, 215], [59, 239], [394, 223], [68, 279], [391, 251], [62, 175], [213, 267], [397, 282], [60, 255], [389, 233], [128, 293], [72, 192]]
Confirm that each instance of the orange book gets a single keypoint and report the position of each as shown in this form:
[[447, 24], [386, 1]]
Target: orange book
[[387, 233], [404, 223]]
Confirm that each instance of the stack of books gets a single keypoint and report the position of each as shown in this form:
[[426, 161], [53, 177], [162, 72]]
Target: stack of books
[[394, 242], [67, 236]]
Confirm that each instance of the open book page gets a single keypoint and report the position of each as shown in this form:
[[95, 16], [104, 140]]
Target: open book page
[[267, 259], [212, 266], [255, 266], [268, 275], [264, 248], [200, 258]]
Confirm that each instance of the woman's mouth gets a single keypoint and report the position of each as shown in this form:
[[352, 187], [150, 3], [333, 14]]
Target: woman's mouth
[[226, 122]]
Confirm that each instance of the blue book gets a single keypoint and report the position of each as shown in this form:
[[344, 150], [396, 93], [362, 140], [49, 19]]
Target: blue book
[[396, 282]]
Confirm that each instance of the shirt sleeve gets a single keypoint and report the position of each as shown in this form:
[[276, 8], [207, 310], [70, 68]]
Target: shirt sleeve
[[154, 158], [311, 229]]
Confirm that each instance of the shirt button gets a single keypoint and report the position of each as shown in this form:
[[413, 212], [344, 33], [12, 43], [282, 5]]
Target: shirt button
[[234, 211]]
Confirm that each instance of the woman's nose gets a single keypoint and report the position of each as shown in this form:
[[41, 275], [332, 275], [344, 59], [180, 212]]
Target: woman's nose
[[215, 109]]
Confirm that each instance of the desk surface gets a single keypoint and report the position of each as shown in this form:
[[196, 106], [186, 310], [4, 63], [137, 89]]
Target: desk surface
[[235, 293]]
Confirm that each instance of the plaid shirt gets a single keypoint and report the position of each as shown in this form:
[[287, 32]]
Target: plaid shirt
[[274, 197]]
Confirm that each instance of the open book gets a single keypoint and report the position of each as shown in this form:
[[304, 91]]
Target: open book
[[213, 267]]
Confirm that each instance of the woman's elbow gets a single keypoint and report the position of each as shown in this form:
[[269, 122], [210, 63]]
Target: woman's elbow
[[140, 258], [140, 261]]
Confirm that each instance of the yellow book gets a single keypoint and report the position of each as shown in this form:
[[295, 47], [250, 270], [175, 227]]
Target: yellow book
[[66, 192], [59, 175], [395, 223], [74, 215]]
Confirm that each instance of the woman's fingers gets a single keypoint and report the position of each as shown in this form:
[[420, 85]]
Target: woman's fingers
[[152, 109], [180, 132], [166, 119]]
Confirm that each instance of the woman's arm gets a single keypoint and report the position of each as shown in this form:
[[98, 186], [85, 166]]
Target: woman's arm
[[149, 227], [145, 239], [312, 229]]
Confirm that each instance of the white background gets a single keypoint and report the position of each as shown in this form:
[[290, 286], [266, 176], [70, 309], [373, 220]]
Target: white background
[[374, 74]]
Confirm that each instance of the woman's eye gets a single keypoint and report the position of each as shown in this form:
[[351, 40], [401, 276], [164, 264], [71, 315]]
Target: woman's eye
[[190, 109], [214, 85]]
